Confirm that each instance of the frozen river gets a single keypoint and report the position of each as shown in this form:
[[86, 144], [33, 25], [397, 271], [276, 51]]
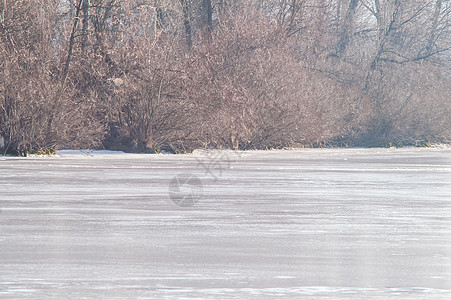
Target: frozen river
[[304, 224]]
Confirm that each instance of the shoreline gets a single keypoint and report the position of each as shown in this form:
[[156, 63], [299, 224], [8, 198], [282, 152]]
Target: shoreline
[[202, 152]]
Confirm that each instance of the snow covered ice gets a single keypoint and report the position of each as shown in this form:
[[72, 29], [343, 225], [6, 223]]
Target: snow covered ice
[[309, 224]]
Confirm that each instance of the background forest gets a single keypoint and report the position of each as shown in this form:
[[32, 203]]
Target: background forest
[[175, 75]]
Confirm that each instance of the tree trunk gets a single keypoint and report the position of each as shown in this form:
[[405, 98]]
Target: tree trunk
[[187, 23], [85, 24], [346, 31], [72, 37], [208, 16]]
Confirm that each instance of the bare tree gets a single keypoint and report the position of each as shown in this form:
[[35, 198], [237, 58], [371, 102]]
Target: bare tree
[[346, 28], [73, 35], [186, 8]]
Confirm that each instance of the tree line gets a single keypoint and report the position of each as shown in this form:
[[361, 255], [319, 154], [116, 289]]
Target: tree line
[[175, 75]]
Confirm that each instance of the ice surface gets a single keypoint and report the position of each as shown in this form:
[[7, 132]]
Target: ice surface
[[329, 224]]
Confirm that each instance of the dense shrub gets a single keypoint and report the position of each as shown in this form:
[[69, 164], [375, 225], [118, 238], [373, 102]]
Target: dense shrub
[[167, 75]]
